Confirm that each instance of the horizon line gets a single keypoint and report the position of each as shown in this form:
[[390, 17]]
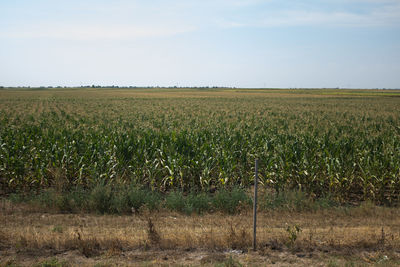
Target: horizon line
[[192, 87]]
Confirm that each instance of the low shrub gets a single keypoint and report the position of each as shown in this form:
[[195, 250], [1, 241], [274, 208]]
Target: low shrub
[[230, 200], [198, 203], [175, 201], [100, 199], [293, 201], [127, 199]]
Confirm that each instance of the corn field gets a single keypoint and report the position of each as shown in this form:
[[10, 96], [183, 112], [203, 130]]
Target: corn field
[[323, 142]]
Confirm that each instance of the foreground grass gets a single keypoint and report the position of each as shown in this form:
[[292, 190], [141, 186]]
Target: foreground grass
[[361, 235]]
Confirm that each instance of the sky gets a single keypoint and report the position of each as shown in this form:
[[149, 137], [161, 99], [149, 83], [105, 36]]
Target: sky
[[232, 43]]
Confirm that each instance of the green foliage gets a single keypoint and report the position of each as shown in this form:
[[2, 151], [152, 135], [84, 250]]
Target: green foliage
[[230, 200], [100, 199], [137, 198], [346, 146], [192, 203], [175, 201], [53, 262], [230, 262], [333, 263], [153, 200], [130, 199], [293, 233], [57, 229], [199, 203], [294, 201], [106, 199], [46, 198]]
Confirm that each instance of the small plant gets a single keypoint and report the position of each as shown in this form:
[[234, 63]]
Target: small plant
[[88, 247], [62, 202], [333, 263], [152, 233], [137, 198], [53, 262], [238, 239], [57, 229], [231, 262], [153, 237], [293, 233]]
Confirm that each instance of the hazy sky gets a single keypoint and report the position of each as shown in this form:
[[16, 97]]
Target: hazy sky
[[253, 43]]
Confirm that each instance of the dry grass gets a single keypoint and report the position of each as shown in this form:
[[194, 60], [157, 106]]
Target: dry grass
[[365, 233]]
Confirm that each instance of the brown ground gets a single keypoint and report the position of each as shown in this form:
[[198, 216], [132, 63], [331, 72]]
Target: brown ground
[[333, 237]]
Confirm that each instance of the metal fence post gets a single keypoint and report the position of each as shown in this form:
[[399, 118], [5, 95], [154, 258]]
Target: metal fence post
[[255, 207]]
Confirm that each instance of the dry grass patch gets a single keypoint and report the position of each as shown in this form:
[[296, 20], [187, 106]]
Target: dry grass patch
[[329, 236]]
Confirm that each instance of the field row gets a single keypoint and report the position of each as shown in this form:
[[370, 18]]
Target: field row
[[346, 147]]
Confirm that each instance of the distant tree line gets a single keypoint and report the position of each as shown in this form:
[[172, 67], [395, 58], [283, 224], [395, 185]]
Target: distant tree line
[[115, 86]]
